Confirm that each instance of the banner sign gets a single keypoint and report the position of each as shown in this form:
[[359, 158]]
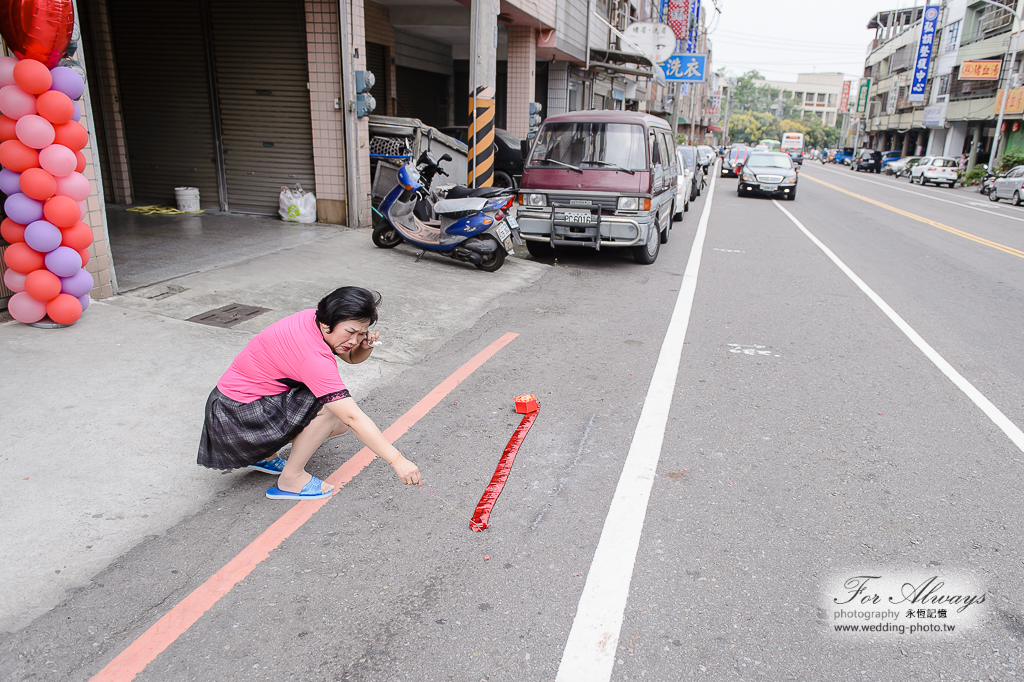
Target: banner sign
[[679, 17], [925, 47], [980, 70], [844, 101], [894, 94], [691, 37], [1014, 102], [862, 95], [686, 68]]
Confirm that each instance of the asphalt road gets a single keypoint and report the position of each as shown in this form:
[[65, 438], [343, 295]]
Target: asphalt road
[[809, 441]]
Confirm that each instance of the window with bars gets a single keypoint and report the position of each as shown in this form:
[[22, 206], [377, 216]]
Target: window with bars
[[952, 34]]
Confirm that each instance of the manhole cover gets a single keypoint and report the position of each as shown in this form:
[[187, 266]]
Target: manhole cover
[[229, 315]]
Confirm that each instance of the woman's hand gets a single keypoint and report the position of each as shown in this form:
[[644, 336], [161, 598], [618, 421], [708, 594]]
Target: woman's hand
[[370, 341], [407, 472]]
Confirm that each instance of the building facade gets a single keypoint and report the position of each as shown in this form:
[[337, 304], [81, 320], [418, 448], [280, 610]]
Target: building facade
[[818, 94]]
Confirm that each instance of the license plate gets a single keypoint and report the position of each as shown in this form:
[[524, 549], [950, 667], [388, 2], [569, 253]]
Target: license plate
[[512, 222], [507, 243], [769, 188], [582, 217], [504, 233]]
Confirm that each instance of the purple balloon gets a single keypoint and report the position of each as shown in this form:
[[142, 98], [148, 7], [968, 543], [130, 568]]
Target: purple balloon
[[85, 301], [78, 284], [22, 209], [67, 81], [78, 112], [43, 236], [63, 261], [9, 182]]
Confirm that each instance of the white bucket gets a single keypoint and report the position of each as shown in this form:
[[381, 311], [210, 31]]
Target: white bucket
[[187, 198]]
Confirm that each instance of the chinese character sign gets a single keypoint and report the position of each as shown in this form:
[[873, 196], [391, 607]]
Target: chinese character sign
[[862, 95], [686, 68], [925, 45], [1014, 102], [844, 101], [982, 70], [691, 38], [679, 17]]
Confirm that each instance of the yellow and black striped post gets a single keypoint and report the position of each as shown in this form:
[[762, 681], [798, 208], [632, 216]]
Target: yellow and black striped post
[[480, 163]]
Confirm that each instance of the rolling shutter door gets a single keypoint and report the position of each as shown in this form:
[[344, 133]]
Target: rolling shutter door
[[165, 98], [260, 61], [376, 63]]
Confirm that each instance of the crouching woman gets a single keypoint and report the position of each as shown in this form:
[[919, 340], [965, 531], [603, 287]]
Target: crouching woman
[[284, 387]]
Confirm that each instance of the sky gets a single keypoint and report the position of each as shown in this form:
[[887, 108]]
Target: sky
[[782, 38]]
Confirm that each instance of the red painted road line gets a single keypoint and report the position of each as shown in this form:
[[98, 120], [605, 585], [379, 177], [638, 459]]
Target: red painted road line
[[165, 631], [490, 496]]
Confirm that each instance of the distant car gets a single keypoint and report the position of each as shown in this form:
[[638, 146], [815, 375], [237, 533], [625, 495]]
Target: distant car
[[797, 155], [889, 157], [1009, 186], [707, 155], [684, 185], [901, 165], [508, 159], [734, 158], [761, 148], [941, 170], [771, 173], [692, 160], [869, 160]]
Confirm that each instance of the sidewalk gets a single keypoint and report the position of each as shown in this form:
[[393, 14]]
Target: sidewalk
[[102, 419]]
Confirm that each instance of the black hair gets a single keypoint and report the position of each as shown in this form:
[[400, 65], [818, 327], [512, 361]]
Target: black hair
[[347, 303]]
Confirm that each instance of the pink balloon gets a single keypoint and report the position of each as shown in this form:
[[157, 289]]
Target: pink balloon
[[57, 160], [7, 70], [24, 308], [15, 281], [83, 208], [74, 185], [15, 102], [34, 131]]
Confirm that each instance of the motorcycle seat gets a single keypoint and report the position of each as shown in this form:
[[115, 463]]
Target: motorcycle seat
[[463, 205], [461, 192]]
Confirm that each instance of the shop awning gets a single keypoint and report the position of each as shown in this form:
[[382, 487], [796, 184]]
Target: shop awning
[[715, 129]]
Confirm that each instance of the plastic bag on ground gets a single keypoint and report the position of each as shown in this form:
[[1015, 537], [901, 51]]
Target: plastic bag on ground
[[297, 205]]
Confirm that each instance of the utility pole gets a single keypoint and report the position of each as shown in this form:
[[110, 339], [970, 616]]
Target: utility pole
[[677, 105], [483, 50]]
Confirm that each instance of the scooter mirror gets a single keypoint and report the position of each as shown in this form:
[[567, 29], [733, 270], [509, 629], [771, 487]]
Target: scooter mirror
[[445, 157]]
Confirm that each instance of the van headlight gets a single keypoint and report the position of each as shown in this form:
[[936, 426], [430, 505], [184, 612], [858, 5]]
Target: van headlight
[[628, 204], [535, 200]]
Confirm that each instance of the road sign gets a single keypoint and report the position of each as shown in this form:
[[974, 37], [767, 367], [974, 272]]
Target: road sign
[[654, 41], [686, 68]]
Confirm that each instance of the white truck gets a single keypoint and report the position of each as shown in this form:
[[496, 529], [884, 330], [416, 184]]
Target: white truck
[[793, 144]]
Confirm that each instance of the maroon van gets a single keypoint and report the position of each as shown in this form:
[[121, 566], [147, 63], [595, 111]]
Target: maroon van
[[599, 179]]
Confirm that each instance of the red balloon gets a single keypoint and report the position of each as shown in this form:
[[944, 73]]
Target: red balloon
[[72, 135], [55, 107], [7, 128], [21, 258], [84, 253], [64, 309], [17, 156], [32, 76], [38, 184], [11, 231], [42, 285], [62, 211], [38, 29], [79, 236], [80, 168]]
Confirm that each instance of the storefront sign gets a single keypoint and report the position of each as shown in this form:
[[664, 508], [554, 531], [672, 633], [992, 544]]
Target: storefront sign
[[894, 95], [677, 12], [862, 95], [844, 101], [924, 53], [686, 68], [934, 116], [654, 41], [1014, 103], [980, 70]]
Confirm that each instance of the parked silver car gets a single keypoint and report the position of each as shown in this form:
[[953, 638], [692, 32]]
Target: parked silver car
[[684, 185], [1009, 186]]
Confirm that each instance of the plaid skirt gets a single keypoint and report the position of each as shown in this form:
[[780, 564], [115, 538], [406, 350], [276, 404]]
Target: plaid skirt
[[238, 434]]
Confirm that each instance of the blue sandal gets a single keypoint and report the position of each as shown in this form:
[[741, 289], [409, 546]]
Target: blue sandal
[[311, 491], [269, 466]]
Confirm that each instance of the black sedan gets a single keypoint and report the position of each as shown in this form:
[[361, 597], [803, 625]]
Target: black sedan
[[868, 160], [508, 156], [771, 173]]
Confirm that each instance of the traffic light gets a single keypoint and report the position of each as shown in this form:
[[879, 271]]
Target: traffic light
[[535, 109], [365, 103]]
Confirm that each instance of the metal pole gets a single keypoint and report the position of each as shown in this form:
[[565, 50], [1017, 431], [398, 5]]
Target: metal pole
[[1007, 59], [347, 114], [473, 47], [677, 105]]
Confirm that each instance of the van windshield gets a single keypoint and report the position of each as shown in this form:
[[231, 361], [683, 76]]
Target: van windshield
[[595, 145]]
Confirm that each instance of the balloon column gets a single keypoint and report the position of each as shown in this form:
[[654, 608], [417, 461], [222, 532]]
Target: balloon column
[[41, 144]]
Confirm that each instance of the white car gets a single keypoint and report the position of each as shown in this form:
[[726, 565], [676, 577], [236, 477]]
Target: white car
[[938, 169], [1009, 186], [684, 186]]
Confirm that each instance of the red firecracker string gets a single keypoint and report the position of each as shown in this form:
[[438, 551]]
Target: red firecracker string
[[490, 496]]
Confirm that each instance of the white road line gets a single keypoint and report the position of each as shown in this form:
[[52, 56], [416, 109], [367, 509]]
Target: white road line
[[991, 411], [926, 196], [590, 650]]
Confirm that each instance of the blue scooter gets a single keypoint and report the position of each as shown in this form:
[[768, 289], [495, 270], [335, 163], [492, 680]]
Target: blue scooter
[[470, 225]]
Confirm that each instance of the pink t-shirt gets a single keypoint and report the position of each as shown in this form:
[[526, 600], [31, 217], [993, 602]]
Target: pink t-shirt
[[292, 348]]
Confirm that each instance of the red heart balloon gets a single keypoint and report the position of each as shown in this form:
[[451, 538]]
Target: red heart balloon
[[37, 29]]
